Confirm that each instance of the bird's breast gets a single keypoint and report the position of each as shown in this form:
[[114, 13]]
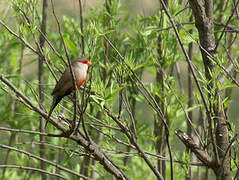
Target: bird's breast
[[80, 75]]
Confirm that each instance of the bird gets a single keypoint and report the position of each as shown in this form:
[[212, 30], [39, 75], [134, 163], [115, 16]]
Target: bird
[[65, 86]]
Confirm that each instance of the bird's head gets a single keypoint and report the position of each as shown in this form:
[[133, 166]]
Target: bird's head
[[84, 61]]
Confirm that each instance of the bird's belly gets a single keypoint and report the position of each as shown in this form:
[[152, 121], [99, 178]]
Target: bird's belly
[[80, 77]]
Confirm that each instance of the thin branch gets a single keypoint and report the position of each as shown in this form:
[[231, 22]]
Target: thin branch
[[19, 37], [216, 62], [39, 52], [186, 114], [42, 159], [200, 153], [23, 131], [82, 29], [32, 169], [65, 149], [232, 13], [156, 107], [133, 141]]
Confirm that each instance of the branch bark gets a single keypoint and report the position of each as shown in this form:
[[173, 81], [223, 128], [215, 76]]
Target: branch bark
[[200, 153]]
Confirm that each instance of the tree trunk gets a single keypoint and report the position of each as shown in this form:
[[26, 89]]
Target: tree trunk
[[204, 23]]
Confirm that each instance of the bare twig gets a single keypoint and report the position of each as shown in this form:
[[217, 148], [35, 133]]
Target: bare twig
[[32, 169], [133, 141], [41, 159], [23, 131], [225, 27], [82, 29], [19, 37], [155, 106], [200, 153], [65, 149]]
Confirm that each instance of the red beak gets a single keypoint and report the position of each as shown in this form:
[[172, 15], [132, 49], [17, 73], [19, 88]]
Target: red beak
[[89, 63]]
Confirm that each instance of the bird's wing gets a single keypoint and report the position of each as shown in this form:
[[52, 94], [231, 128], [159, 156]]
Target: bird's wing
[[63, 84]]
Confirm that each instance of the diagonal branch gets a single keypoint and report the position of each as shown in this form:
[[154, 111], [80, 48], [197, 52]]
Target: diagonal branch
[[200, 153], [42, 159], [93, 148], [19, 37], [32, 169], [133, 141]]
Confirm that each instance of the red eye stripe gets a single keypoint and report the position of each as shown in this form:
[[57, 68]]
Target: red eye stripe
[[84, 62]]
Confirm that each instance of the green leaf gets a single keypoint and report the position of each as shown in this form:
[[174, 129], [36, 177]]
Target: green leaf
[[138, 66], [186, 37], [113, 92], [227, 86], [96, 30], [97, 99], [71, 46]]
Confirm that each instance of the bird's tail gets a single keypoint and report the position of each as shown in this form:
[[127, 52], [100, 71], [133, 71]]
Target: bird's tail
[[56, 100]]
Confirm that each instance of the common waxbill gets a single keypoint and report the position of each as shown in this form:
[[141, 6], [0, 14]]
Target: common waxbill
[[65, 86]]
